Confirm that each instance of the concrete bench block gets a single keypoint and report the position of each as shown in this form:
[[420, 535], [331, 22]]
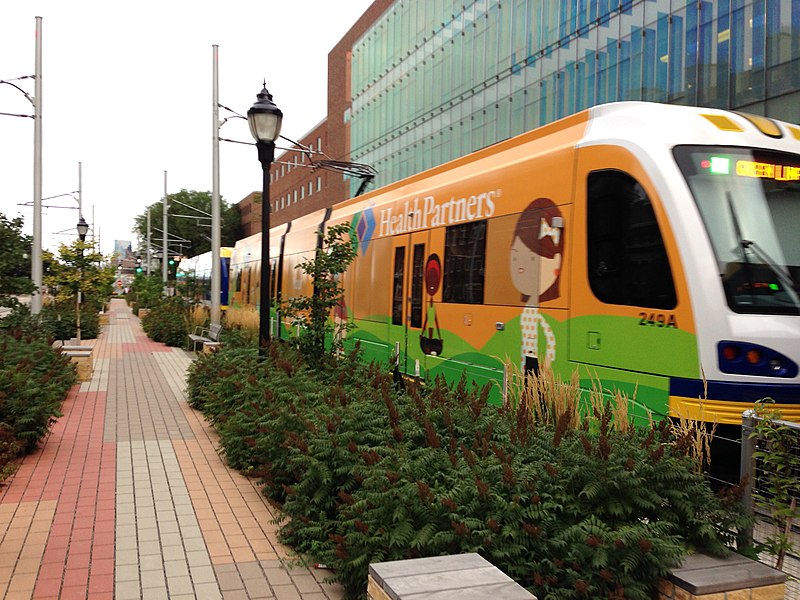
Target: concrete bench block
[[68, 348], [209, 347], [83, 364], [712, 578], [462, 577]]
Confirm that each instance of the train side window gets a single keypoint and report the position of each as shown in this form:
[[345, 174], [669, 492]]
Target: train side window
[[397, 285], [417, 275], [627, 259], [273, 278], [464, 263]]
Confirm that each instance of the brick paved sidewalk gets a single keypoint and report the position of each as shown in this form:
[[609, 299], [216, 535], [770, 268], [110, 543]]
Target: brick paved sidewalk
[[127, 498]]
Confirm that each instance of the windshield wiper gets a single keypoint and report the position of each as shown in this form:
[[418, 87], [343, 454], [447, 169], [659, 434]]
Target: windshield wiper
[[745, 245], [783, 277], [738, 231]]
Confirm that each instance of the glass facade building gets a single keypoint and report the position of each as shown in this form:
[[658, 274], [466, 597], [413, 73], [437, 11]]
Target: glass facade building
[[433, 80]]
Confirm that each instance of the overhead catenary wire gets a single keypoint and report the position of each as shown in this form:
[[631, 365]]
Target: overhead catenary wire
[[362, 171]]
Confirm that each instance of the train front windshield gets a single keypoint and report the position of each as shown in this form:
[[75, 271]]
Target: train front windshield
[[749, 200]]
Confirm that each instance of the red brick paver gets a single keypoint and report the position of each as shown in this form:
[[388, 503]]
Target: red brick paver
[[128, 498]]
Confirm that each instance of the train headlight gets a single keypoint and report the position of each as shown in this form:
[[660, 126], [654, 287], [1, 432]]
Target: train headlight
[[753, 357], [730, 352], [743, 358]]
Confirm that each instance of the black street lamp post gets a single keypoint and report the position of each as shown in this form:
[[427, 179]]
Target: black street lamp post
[[83, 229], [265, 125]]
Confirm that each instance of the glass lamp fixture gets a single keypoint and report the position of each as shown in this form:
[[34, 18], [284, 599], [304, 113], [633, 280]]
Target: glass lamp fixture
[[83, 228], [265, 118]]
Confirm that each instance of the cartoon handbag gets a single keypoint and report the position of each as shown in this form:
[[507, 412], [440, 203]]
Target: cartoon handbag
[[430, 345]]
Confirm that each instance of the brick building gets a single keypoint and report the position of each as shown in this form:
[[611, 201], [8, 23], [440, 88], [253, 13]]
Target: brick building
[[296, 187]]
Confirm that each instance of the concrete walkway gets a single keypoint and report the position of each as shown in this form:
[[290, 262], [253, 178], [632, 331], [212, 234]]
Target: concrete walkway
[[127, 498]]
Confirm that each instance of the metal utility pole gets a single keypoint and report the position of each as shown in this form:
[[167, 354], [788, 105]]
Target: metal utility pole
[[148, 241], [80, 196], [165, 258], [36, 251], [215, 204]]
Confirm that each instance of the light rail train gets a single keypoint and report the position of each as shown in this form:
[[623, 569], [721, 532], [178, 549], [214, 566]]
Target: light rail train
[[198, 268], [655, 248]]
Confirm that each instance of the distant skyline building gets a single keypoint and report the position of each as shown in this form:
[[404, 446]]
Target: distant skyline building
[[122, 249]]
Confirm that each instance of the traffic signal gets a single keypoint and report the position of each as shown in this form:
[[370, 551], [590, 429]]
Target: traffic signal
[[173, 265]]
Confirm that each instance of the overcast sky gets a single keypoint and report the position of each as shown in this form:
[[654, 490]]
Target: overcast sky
[[127, 93]]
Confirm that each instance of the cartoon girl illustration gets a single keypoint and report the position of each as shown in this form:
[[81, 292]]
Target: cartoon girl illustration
[[535, 262], [433, 278]]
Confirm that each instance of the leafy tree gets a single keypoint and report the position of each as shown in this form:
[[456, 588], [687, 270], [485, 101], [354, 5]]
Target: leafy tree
[[189, 228], [325, 269], [77, 269], [15, 260], [779, 466], [147, 290]]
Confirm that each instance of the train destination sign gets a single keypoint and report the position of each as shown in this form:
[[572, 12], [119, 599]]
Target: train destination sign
[[751, 168], [721, 165]]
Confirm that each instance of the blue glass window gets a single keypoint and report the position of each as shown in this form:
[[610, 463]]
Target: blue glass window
[[676, 56], [708, 93]]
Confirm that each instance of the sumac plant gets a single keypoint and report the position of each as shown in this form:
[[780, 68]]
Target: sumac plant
[[34, 379], [364, 473], [168, 322]]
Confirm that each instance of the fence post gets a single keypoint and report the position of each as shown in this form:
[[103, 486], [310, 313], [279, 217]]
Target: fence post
[[747, 470]]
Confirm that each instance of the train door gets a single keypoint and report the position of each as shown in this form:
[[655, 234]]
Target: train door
[[408, 307], [631, 327], [244, 283]]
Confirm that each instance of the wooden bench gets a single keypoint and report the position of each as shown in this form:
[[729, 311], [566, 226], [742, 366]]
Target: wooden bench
[[204, 335]]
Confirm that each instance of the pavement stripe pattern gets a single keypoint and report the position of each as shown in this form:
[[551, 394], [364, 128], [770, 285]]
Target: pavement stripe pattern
[[128, 497]]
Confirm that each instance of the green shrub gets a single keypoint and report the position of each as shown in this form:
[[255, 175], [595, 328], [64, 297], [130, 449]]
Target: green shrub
[[60, 320], [10, 447], [20, 319], [365, 473], [34, 379], [146, 292], [167, 322]]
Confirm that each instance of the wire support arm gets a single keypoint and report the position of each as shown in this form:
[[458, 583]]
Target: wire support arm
[[24, 93]]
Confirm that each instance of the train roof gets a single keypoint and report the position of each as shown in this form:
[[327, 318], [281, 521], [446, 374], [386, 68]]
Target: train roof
[[644, 124]]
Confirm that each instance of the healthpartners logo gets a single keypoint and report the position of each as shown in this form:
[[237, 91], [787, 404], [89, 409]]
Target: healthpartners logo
[[363, 226], [420, 213]]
